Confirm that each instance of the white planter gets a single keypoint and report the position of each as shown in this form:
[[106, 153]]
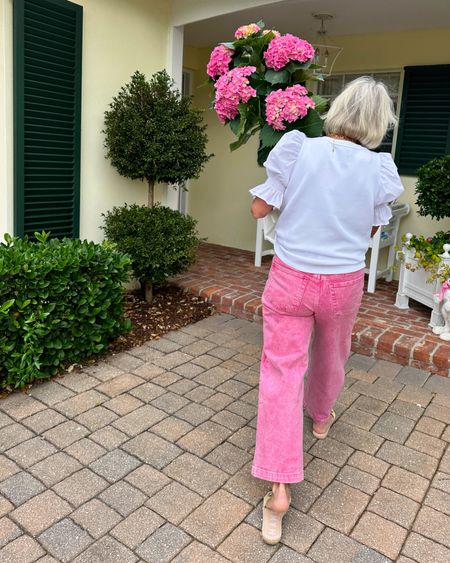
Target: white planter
[[413, 283]]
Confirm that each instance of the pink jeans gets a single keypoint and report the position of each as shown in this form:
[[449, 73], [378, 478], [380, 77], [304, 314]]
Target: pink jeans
[[306, 317]]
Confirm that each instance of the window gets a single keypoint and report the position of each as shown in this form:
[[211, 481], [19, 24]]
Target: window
[[186, 82], [334, 84], [47, 116], [424, 127]]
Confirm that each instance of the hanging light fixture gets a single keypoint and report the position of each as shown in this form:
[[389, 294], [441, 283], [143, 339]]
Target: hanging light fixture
[[326, 53]]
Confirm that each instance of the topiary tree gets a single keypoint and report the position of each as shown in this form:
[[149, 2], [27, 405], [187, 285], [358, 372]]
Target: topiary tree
[[160, 241], [153, 133], [433, 188]]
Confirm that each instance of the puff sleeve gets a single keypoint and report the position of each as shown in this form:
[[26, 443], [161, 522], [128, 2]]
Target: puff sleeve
[[390, 188], [279, 166]]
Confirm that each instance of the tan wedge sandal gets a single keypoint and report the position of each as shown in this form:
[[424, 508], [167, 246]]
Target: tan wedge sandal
[[272, 523], [324, 434]]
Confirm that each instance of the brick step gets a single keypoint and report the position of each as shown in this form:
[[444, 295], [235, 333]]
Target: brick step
[[227, 278]]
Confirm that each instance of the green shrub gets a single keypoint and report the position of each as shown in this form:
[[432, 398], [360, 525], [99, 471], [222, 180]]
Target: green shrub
[[160, 241], [60, 301], [433, 188], [152, 132]]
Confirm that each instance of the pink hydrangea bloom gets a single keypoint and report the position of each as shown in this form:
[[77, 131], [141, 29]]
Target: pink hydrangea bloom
[[232, 89], [287, 48], [219, 62], [287, 105], [246, 30], [274, 31]]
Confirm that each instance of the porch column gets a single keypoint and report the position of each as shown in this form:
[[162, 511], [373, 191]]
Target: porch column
[[6, 126], [175, 69]]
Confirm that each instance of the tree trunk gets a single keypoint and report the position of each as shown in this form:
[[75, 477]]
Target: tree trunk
[[148, 291], [151, 184]]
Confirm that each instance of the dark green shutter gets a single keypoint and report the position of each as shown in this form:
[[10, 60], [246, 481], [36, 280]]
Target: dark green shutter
[[47, 116], [424, 128]]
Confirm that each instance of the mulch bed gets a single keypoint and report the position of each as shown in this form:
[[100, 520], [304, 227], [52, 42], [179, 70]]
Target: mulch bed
[[171, 309]]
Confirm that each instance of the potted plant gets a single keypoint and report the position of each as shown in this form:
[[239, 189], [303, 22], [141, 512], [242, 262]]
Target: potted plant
[[260, 86], [425, 261]]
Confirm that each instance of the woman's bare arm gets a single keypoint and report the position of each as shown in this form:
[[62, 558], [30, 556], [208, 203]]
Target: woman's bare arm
[[260, 208]]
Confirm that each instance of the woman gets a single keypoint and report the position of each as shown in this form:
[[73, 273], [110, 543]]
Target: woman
[[333, 193]]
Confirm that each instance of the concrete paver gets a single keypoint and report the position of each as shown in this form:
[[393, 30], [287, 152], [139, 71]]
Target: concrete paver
[[146, 457]]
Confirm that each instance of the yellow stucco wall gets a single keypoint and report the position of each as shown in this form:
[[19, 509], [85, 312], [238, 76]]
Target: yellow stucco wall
[[118, 38], [219, 199]]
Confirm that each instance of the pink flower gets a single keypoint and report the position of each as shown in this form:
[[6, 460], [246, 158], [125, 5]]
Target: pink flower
[[232, 89], [287, 48], [287, 105], [246, 30], [274, 31], [219, 62]]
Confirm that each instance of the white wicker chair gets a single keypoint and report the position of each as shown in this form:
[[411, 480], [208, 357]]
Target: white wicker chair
[[265, 230], [386, 236]]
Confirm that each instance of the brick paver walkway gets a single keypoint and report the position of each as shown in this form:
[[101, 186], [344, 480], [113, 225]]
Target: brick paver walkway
[[146, 458]]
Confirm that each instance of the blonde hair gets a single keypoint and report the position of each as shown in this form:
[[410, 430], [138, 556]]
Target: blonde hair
[[363, 111]]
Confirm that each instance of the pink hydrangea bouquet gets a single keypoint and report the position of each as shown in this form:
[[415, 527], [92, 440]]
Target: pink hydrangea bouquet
[[259, 86]]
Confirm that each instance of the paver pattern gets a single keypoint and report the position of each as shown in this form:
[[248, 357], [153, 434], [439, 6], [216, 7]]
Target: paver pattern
[[146, 457]]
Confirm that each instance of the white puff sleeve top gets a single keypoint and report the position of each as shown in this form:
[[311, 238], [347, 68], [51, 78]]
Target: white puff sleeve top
[[330, 193]]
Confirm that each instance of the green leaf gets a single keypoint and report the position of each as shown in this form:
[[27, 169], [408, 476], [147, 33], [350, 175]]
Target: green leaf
[[269, 137], [296, 65], [243, 139], [263, 153], [23, 304], [301, 76], [41, 237], [321, 103], [228, 45], [277, 77], [311, 125], [248, 119], [263, 89], [235, 125], [6, 305]]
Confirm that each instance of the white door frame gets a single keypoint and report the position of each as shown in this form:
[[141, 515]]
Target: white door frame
[[6, 120], [175, 70]]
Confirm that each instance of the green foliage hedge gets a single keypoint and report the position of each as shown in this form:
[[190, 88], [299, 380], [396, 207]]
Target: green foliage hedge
[[433, 188], [60, 301], [161, 242], [153, 132]]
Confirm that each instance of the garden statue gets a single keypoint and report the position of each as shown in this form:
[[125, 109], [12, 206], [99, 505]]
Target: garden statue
[[443, 297]]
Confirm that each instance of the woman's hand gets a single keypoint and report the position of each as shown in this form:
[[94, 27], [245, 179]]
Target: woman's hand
[[260, 208]]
